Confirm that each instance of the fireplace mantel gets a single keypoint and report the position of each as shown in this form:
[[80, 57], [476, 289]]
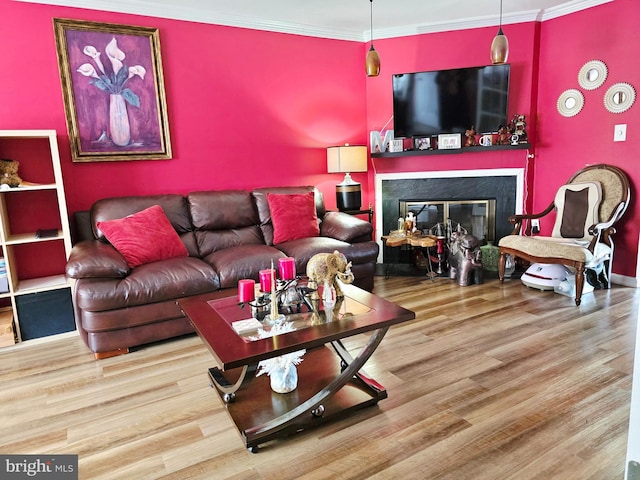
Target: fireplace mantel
[[450, 151]]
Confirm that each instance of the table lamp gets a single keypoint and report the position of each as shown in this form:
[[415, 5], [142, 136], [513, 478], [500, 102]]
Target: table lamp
[[347, 159]]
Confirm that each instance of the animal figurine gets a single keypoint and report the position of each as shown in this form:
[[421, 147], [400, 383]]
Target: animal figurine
[[504, 138], [471, 137], [326, 268], [9, 173], [465, 260]]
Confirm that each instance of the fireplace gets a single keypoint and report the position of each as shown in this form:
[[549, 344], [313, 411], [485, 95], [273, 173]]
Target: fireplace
[[464, 196], [477, 217]]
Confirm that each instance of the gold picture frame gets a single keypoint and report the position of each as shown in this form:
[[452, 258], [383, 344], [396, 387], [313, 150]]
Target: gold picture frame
[[113, 91]]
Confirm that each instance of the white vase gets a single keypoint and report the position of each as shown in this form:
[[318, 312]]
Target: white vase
[[284, 379], [119, 120]]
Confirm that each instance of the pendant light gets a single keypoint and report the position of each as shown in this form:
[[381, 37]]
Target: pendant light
[[373, 59], [500, 44]]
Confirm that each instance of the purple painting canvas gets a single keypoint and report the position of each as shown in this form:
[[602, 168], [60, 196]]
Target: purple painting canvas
[[114, 90]]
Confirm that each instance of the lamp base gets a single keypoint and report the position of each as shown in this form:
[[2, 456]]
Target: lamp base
[[349, 197]]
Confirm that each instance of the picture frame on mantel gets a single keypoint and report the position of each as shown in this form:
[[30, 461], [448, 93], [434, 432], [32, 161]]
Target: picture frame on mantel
[[113, 91]]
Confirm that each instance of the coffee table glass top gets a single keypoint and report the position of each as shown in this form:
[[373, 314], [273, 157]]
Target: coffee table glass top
[[229, 310], [366, 312]]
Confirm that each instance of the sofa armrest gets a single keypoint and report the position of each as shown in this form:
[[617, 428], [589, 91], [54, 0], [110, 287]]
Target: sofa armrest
[[345, 227], [96, 259]]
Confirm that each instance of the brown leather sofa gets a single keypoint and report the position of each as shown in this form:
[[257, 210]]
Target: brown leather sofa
[[229, 236]]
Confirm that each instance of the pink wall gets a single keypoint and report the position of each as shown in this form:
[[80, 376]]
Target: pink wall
[[565, 145], [246, 108], [545, 60], [250, 108], [436, 51]]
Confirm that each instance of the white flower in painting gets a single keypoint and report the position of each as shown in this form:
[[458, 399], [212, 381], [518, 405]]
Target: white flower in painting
[[114, 79], [87, 70], [137, 70], [115, 55], [92, 52]]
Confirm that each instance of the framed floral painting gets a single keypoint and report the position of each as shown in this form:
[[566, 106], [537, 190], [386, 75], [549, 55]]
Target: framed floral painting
[[113, 91]]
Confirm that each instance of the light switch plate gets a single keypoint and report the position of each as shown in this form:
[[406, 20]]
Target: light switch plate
[[619, 133]]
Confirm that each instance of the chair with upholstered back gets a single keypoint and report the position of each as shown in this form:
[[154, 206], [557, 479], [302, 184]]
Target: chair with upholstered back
[[587, 208]]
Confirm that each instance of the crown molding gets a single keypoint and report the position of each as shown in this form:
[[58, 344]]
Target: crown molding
[[181, 12]]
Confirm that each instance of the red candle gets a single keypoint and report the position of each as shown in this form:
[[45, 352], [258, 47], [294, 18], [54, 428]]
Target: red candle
[[246, 290], [265, 280], [287, 268]]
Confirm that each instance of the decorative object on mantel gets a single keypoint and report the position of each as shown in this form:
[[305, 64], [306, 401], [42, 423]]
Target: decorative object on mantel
[[619, 97], [347, 159], [500, 45], [517, 128], [379, 142], [570, 102], [373, 59], [503, 136], [592, 74], [471, 138], [449, 140]]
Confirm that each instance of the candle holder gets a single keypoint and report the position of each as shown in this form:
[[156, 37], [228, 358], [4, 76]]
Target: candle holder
[[289, 297]]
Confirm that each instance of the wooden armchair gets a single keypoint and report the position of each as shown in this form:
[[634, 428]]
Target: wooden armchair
[[587, 208]]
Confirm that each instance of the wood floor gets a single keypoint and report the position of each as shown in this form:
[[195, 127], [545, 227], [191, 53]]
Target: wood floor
[[489, 382]]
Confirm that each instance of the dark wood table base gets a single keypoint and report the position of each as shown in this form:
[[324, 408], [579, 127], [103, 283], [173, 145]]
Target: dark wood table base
[[330, 386]]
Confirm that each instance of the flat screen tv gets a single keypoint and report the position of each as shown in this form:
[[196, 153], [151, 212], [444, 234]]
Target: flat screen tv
[[450, 101]]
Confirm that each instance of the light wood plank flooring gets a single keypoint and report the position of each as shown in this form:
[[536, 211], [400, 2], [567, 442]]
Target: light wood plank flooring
[[489, 382]]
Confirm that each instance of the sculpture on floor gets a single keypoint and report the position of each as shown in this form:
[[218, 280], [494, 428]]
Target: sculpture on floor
[[465, 259]]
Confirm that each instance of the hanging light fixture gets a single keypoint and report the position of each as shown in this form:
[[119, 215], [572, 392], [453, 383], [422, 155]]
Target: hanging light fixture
[[373, 59], [500, 44]]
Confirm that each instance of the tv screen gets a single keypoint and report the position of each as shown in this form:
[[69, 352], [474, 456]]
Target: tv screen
[[450, 101]]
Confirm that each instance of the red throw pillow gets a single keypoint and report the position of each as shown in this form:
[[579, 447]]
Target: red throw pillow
[[293, 216], [144, 237]]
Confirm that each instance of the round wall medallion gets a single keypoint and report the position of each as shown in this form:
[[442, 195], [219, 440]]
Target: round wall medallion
[[619, 97], [570, 102], [592, 74]]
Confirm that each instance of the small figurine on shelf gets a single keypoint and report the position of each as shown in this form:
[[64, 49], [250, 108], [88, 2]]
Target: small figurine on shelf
[[503, 136], [518, 127], [471, 137], [409, 224]]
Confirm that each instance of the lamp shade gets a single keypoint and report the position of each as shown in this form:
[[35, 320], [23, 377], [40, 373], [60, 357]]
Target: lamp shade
[[347, 159], [499, 48]]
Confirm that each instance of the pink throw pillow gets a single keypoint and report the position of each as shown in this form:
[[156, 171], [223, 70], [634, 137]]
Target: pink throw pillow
[[293, 216], [144, 237]]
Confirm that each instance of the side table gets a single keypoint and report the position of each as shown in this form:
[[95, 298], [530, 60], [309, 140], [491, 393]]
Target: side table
[[368, 211], [419, 241]]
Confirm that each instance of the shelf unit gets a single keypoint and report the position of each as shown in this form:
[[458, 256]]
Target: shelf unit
[[30, 258], [451, 151]]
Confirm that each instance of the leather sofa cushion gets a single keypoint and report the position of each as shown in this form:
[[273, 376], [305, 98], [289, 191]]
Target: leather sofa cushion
[[222, 210], [243, 261], [345, 227], [305, 248], [113, 320], [155, 282]]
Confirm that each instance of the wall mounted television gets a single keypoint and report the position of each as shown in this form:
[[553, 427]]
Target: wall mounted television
[[450, 101]]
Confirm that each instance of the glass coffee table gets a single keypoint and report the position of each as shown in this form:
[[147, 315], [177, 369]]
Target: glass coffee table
[[331, 382]]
